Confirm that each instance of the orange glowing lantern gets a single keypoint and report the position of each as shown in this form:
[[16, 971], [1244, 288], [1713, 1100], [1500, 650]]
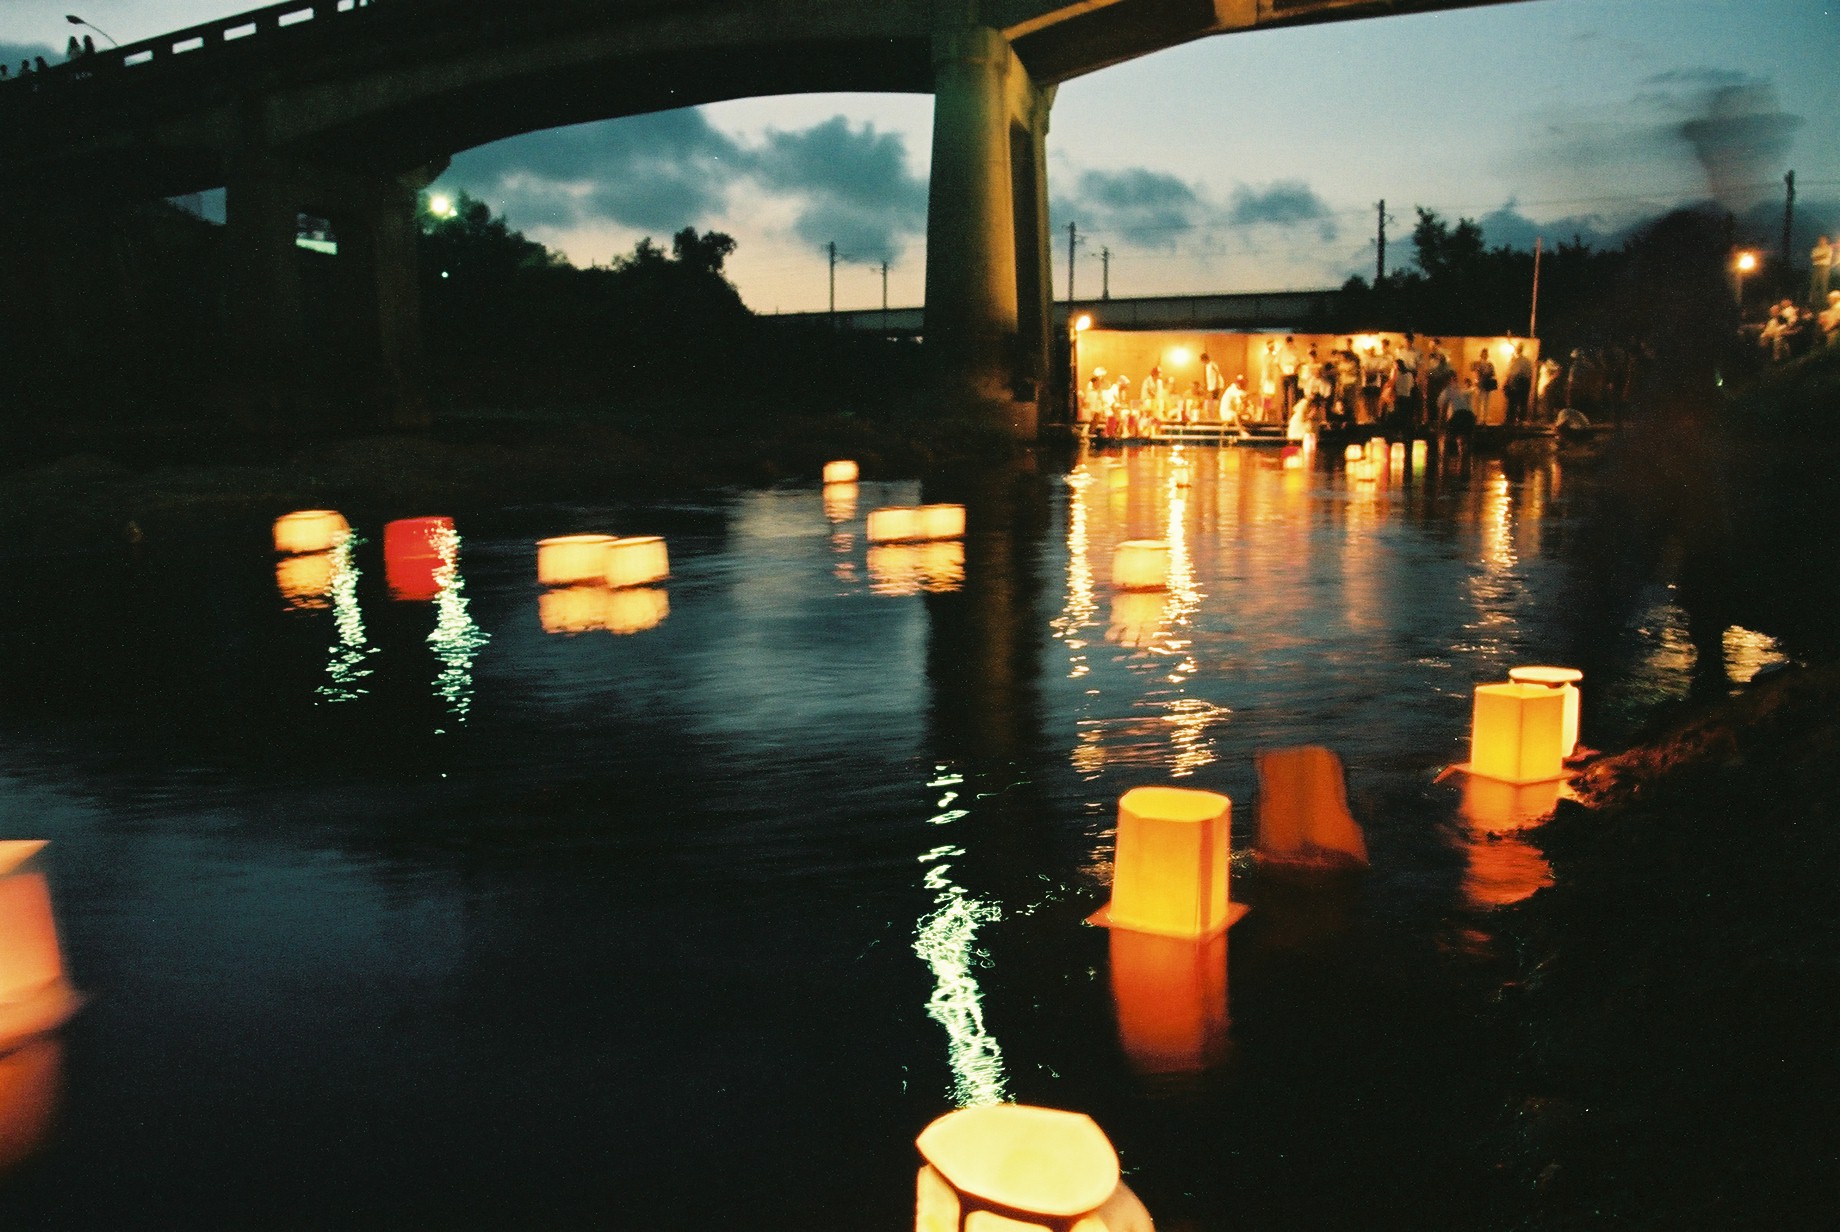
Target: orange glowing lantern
[[839, 472], [1137, 617], [1516, 733], [1141, 564], [305, 581], [840, 501], [1565, 680], [894, 524], [573, 609], [1421, 450], [1169, 873], [1303, 810], [941, 521], [31, 1079], [1171, 998], [636, 609], [35, 997], [572, 560], [1396, 456], [1376, 449], [310, 530], [412, 556], [637, 561], [1354, 453], [1001, 1166]]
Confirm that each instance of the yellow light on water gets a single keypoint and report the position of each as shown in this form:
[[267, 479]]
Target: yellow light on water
[[1141, 564], [1169, 875]]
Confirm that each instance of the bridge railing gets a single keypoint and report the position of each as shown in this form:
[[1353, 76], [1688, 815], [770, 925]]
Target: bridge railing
[[210, 36]]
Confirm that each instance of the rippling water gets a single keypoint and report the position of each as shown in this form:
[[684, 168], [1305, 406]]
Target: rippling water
[[408, 894]]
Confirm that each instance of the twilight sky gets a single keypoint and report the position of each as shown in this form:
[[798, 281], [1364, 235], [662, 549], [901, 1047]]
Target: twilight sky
[[1243, 162]]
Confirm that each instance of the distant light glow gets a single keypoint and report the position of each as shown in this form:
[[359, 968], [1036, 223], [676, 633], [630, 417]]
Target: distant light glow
[[1747, 261], [1084, 322], [441, 205], [1179, 356]]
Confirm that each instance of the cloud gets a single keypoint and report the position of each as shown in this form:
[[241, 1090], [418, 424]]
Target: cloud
[[1151, 209], [1282, 203], [1506, 226], [854, 186], [1740, 137]]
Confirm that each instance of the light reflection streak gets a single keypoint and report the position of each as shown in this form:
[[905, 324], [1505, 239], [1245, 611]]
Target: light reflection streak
[[1494, 588], [456, 639], [945, 940], [1188, 718], [1748, 652], [347, 662]]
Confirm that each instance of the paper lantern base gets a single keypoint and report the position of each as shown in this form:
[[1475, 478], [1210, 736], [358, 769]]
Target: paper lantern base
[[1468, 768], [44, 1012], [1236, 912]]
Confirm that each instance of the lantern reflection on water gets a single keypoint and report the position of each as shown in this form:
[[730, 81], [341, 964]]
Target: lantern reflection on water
[[588, 609], [310, 530], [1565, 680], [1017, 1166], [35, 997], [840, 501], [1303, 810], [842, 471], [1141, 564], [638, 560], [897, 569], [1137, 617], [1169, 870], [1501, 866], [412, 556], [305, 581], [636, 609], [570, 560], [1171, 998], [1354, 453], [31, 1078], [1515, 733]]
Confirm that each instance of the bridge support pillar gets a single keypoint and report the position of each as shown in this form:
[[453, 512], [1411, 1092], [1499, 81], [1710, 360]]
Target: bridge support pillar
[[262, 291], [987, 268]]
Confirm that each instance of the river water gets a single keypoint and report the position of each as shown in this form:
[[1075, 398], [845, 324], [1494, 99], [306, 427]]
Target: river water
[[396, 908]]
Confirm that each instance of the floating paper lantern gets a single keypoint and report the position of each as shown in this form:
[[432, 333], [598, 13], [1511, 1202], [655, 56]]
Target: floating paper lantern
[[571, 560], [1516, 733], [31, 1078], [412, 556], [1171, 998], [1303, 809], [1169, 873], [1141, 564], [305, 581], [1396, 456], [1565, 680], [1137, 617], [1420, 451], [840, 501], [636, 609], [35, 997], [1354, 453], [894, 524], [637, 561], [310, 530], [1003, 1166], [941, 521], [573, 609], [1376, 449], [839, 472]]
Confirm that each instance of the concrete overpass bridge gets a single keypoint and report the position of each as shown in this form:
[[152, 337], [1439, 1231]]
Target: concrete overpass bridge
[[345, 109]]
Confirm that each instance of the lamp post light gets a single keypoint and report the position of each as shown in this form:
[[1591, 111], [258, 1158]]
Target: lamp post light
[[1745, 263], [440, 205], [74, 20]]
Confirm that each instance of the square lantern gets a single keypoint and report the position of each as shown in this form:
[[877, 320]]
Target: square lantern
[[34, 994], [413, 556], [572, 560], [1565, 680], [1170, 994], [637, 561], [1141, 564], [1303, 809], [310, 530], [1016, 1166], [1169, 871], [1516, 732], [941, 521], [842, 471], [894, 524]]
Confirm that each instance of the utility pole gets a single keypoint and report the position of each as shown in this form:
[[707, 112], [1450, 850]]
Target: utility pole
[[831, 248], [1788, 261], [1380, 260], [1105, 266], [884, 296], [1533, 313], [1073, 236]]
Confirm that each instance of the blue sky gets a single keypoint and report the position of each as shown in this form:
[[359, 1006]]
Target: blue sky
[[1243, 162]]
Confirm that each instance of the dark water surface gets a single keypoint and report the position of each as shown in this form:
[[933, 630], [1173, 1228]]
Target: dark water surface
[[406, 913]]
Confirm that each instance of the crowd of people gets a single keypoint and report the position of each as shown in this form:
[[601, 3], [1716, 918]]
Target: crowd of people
[[1407, 386], [1790, 329]]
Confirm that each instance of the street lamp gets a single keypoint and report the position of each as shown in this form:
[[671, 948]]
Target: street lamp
[[1746, 262], [74, 20], [1080, 324], [441, 205]]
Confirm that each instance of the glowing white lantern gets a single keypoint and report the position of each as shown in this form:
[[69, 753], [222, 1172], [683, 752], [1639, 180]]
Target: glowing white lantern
[[1516, 732], [1565, 680], [571, 560], [1303, 809], [35, 996], [894, 524], [1141, 564], [310, 530], [637, 561], [999, 1166], [1354, 453], [1170, 994], [840, 501], [636, 609], [840, 472], [941, 521], [573, 609], [1169, 872]]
